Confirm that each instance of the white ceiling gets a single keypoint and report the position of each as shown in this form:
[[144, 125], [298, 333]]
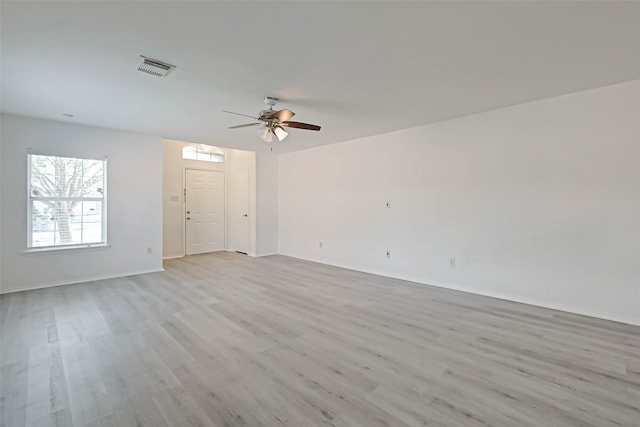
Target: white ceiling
[[356, 68]]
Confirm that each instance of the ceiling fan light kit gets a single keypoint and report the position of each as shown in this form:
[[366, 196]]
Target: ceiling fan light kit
[[266, 135], [273, 121], [280, 133]]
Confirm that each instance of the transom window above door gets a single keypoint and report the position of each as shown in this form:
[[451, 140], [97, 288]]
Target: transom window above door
[[203, 152]]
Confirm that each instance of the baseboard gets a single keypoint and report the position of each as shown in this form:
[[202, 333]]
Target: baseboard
[[541, 303], [488, 293], [265, 254], [173, 257], [87, 279]]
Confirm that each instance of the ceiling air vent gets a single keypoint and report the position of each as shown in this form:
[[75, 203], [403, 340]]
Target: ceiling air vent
[[153, 66]]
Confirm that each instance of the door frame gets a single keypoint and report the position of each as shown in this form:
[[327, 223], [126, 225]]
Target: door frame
[[184, 205]]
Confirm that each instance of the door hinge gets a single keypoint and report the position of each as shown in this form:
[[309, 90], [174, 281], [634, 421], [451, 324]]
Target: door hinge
[[185, 195]]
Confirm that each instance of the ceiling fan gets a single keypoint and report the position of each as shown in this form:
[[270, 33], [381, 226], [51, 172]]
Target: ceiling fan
[[273, 121]]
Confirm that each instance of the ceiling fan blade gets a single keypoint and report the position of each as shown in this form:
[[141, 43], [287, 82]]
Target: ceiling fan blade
[[244, 126], [283, 115], [239, 114], [300, 125]]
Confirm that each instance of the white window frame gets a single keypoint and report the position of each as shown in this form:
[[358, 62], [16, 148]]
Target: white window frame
[[31, 198]]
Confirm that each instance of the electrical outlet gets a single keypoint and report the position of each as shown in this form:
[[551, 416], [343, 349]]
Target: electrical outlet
[[149, 250], [320, 244], [387, 204], [452, 263], [388, 253]]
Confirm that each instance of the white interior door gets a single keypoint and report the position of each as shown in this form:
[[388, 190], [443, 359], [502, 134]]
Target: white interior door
[[238, 231], [204, 209]]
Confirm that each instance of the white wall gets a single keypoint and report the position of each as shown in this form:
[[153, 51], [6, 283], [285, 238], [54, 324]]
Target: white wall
[[538, 203], [266, 203], [134, 203]]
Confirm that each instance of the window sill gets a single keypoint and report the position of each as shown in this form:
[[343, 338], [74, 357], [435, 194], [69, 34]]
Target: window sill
[[74, 248]]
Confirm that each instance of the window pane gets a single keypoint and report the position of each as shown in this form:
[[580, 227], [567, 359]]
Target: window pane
[[68, 177], [204, 156], [62, 176], [93, 178], [66, 223], [43, 176], [217, 158], [189, 152], [91, 222], [42, 225], [67, 233]]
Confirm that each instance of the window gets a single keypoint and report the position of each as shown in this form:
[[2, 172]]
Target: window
[[67, 202], [206, 153]]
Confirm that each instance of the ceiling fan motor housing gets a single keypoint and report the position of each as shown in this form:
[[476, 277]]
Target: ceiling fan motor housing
[[270, 101]]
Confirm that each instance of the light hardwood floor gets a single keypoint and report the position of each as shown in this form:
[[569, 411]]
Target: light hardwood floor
[[227, 340]]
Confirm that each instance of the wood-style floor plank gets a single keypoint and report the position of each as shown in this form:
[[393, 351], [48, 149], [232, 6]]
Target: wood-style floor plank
[[227, 340]]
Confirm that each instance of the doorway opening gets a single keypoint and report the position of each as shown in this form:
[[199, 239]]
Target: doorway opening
[[209, 199]]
